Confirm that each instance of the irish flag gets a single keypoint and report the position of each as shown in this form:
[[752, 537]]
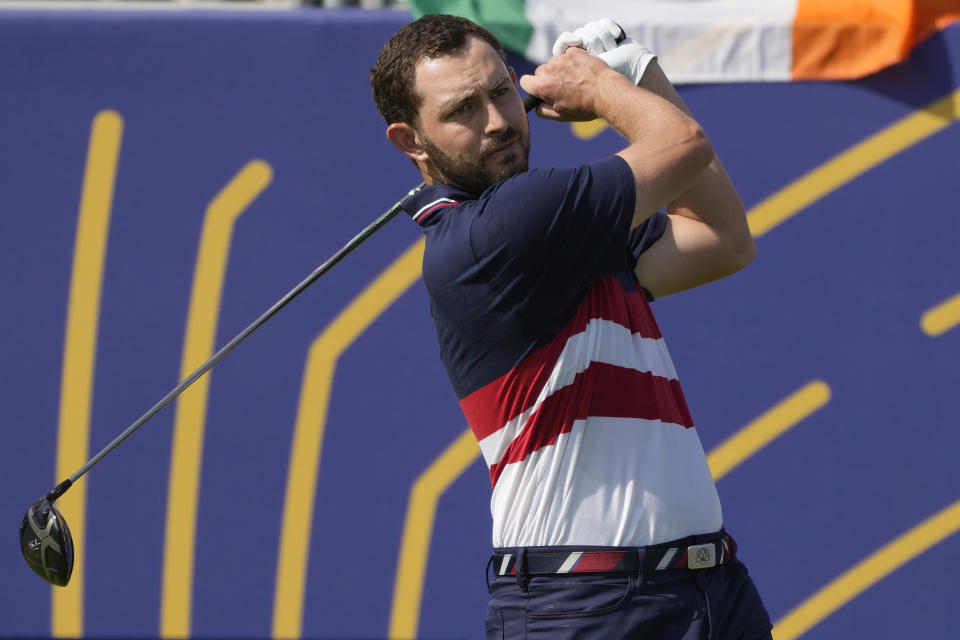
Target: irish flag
[[726, 40]]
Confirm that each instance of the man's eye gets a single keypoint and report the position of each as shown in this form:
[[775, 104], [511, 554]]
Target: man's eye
[[462, 109], [501, 92]]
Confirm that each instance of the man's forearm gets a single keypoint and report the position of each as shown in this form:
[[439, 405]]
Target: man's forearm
[[657, 124], [712, 198]]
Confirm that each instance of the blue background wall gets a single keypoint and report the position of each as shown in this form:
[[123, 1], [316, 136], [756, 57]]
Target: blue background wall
[[835, 295]]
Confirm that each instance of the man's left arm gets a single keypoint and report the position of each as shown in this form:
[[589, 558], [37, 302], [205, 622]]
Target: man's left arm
[[706, 236]]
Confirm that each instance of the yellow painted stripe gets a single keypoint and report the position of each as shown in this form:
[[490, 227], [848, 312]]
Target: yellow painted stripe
[[771, 425], [418, 530], [941, 318], [868, 572], [189, 422], [294, 552], [852, 163], [80, 349]]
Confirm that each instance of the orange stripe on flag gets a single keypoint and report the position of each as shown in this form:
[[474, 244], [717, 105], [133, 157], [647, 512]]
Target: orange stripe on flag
[[841, 39]]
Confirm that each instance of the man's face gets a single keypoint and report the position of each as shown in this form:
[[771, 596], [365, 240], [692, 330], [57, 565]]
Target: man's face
[[471, 123]]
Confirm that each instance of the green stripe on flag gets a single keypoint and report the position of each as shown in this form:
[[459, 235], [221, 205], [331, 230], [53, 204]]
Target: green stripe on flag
[[507, 19]]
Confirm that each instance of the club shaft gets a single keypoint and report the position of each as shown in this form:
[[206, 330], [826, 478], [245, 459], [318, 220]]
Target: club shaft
[[368, 231]]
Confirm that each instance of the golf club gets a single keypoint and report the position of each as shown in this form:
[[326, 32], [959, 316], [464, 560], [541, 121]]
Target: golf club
[[45, 539]]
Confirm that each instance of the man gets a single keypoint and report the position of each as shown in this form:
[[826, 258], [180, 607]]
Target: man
[[606, 522]]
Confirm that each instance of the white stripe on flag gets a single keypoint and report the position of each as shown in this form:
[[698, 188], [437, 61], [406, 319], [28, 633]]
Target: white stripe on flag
[[720, 41], [504, 564]]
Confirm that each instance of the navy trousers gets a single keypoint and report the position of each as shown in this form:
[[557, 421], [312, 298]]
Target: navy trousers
[[720, 603]]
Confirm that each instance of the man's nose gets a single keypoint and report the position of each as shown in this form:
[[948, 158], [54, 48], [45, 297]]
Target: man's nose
[[496, 121]]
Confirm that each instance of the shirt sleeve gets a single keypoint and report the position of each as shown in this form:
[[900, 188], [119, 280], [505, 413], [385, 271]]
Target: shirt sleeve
[[544, 236], [645, 234], [642, 238]]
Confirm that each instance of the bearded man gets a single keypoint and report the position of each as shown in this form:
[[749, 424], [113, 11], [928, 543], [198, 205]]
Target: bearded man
[[606, 521]]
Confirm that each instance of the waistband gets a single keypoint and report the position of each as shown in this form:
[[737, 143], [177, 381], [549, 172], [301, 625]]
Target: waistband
[[700, 552]]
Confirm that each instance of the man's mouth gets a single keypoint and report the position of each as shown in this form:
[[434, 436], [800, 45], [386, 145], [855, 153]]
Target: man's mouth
[[509, 146]]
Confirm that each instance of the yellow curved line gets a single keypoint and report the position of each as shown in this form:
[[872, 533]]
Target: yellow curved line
[[941, 318], [187, 448], [771, 425], [80, 350], [326, 349], [418, 529], [868, 572], [853, 162]]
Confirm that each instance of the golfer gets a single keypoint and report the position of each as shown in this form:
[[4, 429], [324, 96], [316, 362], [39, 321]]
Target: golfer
[[606, 522]]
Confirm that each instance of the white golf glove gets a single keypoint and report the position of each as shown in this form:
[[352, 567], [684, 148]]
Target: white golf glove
[[599, 37]]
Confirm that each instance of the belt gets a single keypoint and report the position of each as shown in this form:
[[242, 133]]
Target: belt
[[628, 560]]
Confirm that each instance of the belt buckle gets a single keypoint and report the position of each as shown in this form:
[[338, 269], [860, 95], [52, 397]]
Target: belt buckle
[[701, 556]]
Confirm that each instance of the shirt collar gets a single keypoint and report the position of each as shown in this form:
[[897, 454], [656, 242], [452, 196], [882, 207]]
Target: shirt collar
[[423, 204]]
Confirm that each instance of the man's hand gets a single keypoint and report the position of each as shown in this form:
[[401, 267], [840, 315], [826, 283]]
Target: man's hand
[[568, 85], [630, 59], [606, 39]]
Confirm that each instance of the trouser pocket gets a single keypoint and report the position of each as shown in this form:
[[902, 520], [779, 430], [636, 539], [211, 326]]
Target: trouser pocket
[[576, 596]]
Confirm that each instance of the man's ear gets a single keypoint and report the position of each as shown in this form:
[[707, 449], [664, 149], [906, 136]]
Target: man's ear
[[405, 138], [513, 75]]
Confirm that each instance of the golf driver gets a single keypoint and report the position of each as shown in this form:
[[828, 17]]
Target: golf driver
[[45, 539]]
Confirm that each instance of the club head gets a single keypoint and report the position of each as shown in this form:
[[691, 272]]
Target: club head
[[46, 543]]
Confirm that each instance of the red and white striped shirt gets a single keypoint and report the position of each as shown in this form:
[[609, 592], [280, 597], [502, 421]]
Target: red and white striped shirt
[[576, 461], [559, 366]]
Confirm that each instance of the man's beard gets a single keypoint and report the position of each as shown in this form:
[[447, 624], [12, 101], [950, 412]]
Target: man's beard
[[473, 174]]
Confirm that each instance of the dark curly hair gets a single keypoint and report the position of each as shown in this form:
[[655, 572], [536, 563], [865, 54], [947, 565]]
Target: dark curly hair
[[431, 36]]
